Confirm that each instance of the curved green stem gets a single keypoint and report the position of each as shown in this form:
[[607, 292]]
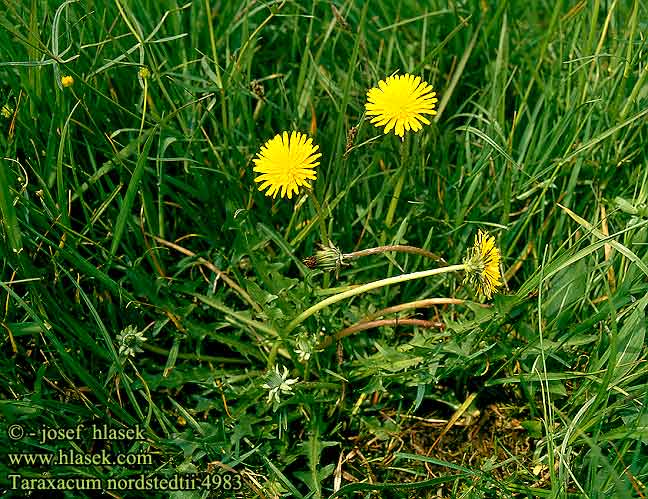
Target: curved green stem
[[368, 287]]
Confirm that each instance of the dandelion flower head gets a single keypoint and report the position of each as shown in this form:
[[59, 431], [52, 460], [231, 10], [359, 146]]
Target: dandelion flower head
[[483, 265], [399, 103], [286, 163]]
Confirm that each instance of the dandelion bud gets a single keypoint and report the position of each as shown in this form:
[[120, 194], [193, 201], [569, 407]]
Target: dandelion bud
[[67, 81]]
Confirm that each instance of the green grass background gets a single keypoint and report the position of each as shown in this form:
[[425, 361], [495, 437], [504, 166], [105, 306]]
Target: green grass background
[[540, 139]]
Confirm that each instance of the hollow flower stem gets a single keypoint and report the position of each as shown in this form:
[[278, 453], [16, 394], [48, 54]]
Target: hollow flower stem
[[426, 303], [368, 287], [363, 326], [394, 247]]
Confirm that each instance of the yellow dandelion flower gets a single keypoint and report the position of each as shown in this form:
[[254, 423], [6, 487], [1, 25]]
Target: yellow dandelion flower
[[67, 81], [399, 102], [286, 163], [482, 265]]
